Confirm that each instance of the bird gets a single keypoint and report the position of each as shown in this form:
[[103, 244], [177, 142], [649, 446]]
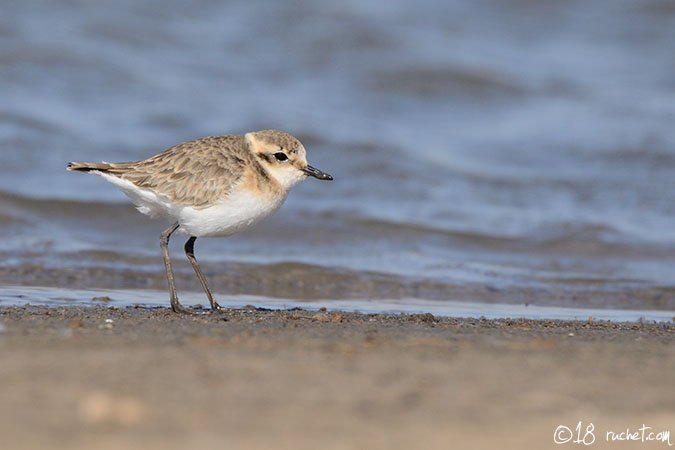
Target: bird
[[210, 187]]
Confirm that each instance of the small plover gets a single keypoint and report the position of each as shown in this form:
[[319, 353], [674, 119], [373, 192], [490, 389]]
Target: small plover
[[214, 186]]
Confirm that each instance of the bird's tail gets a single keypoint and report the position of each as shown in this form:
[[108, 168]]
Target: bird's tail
[[88, 167]]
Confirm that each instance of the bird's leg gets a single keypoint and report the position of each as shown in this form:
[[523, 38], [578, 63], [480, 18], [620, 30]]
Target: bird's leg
[[164, 243], [190, 253]]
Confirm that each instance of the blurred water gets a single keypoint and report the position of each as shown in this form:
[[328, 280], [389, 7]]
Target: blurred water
[[499, 151]]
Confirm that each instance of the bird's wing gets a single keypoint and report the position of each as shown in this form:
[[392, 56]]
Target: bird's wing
[[196, 173]]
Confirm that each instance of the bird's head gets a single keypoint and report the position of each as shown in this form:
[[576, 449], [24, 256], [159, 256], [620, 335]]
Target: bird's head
[[283, 156]]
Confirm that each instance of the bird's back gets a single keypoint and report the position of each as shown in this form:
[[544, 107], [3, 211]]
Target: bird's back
[[196, 173]]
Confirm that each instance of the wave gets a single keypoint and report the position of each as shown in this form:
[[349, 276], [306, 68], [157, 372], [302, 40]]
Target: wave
[[17, 207], [20, 200], [453, 80], [31, 123], [564, 238], [580, 239]]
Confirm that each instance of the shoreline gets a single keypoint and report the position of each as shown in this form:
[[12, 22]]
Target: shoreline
[[146, 298], [101, 377], [100, 271]]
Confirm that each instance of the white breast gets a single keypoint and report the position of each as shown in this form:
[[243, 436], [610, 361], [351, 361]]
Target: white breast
[[240, 210]]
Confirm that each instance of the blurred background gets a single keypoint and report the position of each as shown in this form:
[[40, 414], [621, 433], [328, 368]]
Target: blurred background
[[485, 151]]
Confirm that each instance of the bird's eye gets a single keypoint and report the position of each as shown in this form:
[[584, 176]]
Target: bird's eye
[[280, 156]]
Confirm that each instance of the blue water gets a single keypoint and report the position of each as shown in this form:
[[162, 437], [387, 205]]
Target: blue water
[[484, 152]]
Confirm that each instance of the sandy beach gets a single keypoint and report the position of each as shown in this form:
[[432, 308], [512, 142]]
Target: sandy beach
[[104, 378]]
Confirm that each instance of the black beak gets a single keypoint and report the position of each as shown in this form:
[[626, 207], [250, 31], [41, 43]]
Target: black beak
[[316, 173]]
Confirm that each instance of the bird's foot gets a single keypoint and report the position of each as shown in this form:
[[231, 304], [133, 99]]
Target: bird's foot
[[180, 309]]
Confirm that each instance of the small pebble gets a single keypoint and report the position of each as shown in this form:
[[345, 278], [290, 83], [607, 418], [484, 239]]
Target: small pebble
[[108, 324]]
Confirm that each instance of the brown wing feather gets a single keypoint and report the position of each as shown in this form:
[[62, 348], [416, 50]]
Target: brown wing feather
[[195, 173]]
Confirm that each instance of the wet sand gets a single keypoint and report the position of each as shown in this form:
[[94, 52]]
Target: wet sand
[[100, 378], [286, 281]]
